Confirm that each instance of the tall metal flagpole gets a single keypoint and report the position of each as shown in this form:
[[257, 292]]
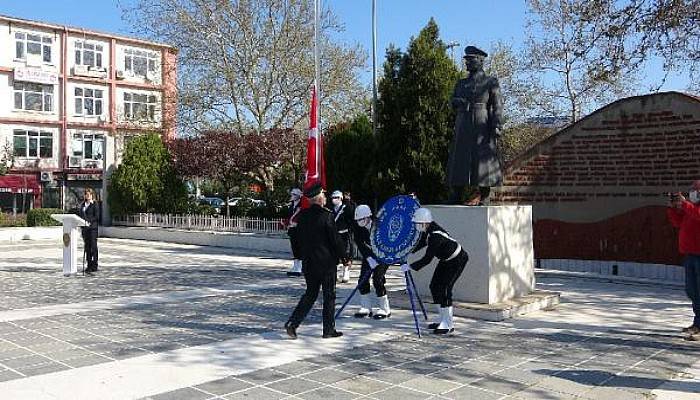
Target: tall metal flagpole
[[317, 82], [374, 67]]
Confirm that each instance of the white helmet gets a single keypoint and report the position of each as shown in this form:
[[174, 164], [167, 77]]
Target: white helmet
[[337, 193], [422, 215], [296, 192], [362, 211]]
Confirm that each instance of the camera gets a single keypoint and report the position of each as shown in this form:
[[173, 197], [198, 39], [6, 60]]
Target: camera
[[674, 195]]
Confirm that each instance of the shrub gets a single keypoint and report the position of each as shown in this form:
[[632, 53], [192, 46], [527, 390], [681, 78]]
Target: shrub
[[42, 217], [7, 220]]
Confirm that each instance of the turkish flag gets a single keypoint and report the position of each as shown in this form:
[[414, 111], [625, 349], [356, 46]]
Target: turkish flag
[[315, 163]]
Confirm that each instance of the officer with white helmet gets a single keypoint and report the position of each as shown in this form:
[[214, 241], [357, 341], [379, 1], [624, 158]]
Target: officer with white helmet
[[343, 221], [452, 260], [291, 224], [361, 232]]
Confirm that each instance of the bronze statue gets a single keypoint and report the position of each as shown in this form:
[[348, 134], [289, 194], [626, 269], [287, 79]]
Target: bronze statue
[[474, 160]]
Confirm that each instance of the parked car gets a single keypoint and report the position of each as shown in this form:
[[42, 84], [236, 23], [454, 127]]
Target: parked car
[[215, 202], [245, 201]]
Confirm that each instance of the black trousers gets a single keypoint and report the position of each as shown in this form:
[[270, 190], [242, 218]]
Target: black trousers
[[294, 241], [348, 249], [444, 278], [314, 282], [692, 283], [378, 279], [90, 242]]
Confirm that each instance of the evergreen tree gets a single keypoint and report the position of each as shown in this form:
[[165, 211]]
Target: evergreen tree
[[416, 119], [349, 153], [145, 181]]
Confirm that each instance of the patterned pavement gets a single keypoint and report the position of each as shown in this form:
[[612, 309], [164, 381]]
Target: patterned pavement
[[605, 341]]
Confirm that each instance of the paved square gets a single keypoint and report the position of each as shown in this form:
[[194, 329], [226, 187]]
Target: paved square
[[165, 321]]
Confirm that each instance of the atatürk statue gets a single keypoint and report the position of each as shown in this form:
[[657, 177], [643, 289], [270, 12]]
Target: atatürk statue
[[474, 160]]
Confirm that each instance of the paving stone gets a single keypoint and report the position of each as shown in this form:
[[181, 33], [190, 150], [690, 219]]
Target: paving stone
[[224, 386], [393, 375], [614, 394], [297, 368], [329, 375], [362, 385], [399, 393], [471, 393], [496, 384], [263, 376], [328, 392], [294, 385], [182, 394], [256, 393], [430, 385]]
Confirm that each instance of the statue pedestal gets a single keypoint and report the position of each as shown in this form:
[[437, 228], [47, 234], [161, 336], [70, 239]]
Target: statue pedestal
[[499, 280]]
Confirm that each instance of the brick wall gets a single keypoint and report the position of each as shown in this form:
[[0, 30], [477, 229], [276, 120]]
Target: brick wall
[[596, 186]]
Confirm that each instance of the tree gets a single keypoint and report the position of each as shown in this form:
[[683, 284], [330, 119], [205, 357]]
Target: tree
[[572, 72], [634, 31], [236, 159], [248, 64], [145, 181], [7, 158], [416, 119], [349, 152]]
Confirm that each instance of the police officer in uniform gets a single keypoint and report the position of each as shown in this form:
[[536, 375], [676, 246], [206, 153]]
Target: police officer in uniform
[[344, 222], [321, 248], [291, 222], [361, 231], [452, 259]]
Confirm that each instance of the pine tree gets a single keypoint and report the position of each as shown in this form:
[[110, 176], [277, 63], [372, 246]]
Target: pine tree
[[349, 153], [416, 120]]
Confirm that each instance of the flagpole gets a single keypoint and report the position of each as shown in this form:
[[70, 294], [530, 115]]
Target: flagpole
[[317, 84]]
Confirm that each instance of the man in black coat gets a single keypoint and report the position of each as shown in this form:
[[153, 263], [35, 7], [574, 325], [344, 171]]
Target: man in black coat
[[89, 211], [321, 248]]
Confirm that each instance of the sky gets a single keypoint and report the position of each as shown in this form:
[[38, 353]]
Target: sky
[[473, 22]]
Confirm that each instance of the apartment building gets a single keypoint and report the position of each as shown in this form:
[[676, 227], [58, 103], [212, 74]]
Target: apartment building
[[69, 100]]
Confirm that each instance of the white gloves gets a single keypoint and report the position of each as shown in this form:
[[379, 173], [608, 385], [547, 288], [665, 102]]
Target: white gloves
[[405, 267], [372, 262]]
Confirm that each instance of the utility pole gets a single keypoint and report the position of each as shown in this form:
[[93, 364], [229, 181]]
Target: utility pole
[[451, 46]]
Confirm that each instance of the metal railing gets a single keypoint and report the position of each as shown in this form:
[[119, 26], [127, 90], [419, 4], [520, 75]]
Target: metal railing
[[202, 223]]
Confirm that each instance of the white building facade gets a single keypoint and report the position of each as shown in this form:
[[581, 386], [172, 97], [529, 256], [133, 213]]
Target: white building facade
[[69, 98]]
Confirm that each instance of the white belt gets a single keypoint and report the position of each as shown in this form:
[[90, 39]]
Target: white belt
[[343, 231], [456, 253]]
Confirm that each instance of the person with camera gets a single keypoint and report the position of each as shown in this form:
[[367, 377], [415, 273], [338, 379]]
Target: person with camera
[[684, 213]]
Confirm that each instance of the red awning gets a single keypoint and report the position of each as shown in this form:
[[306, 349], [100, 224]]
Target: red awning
[[19, 184]]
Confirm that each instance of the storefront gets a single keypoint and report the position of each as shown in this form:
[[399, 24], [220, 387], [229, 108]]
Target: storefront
[[19, 193]]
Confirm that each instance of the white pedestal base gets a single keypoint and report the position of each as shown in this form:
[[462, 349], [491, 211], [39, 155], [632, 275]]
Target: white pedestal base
[[498, 240]]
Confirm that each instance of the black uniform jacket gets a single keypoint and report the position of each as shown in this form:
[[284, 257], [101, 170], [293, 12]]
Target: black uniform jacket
[[343, 219], [91, 215], [439, 244], [321, 246], [363, 241]]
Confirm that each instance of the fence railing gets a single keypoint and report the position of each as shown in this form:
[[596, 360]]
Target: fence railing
[[202, 223]]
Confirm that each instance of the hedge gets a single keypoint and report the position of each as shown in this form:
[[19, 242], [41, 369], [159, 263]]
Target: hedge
[[42, 217]]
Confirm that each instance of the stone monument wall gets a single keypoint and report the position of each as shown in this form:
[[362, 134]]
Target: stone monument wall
[[596, 186]]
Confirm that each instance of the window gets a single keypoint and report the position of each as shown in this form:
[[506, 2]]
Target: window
[[88, 101], [32, 44], [89, 54], [32, 144], [140, 62], [140, 107], [33, 96], [88, 146]]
